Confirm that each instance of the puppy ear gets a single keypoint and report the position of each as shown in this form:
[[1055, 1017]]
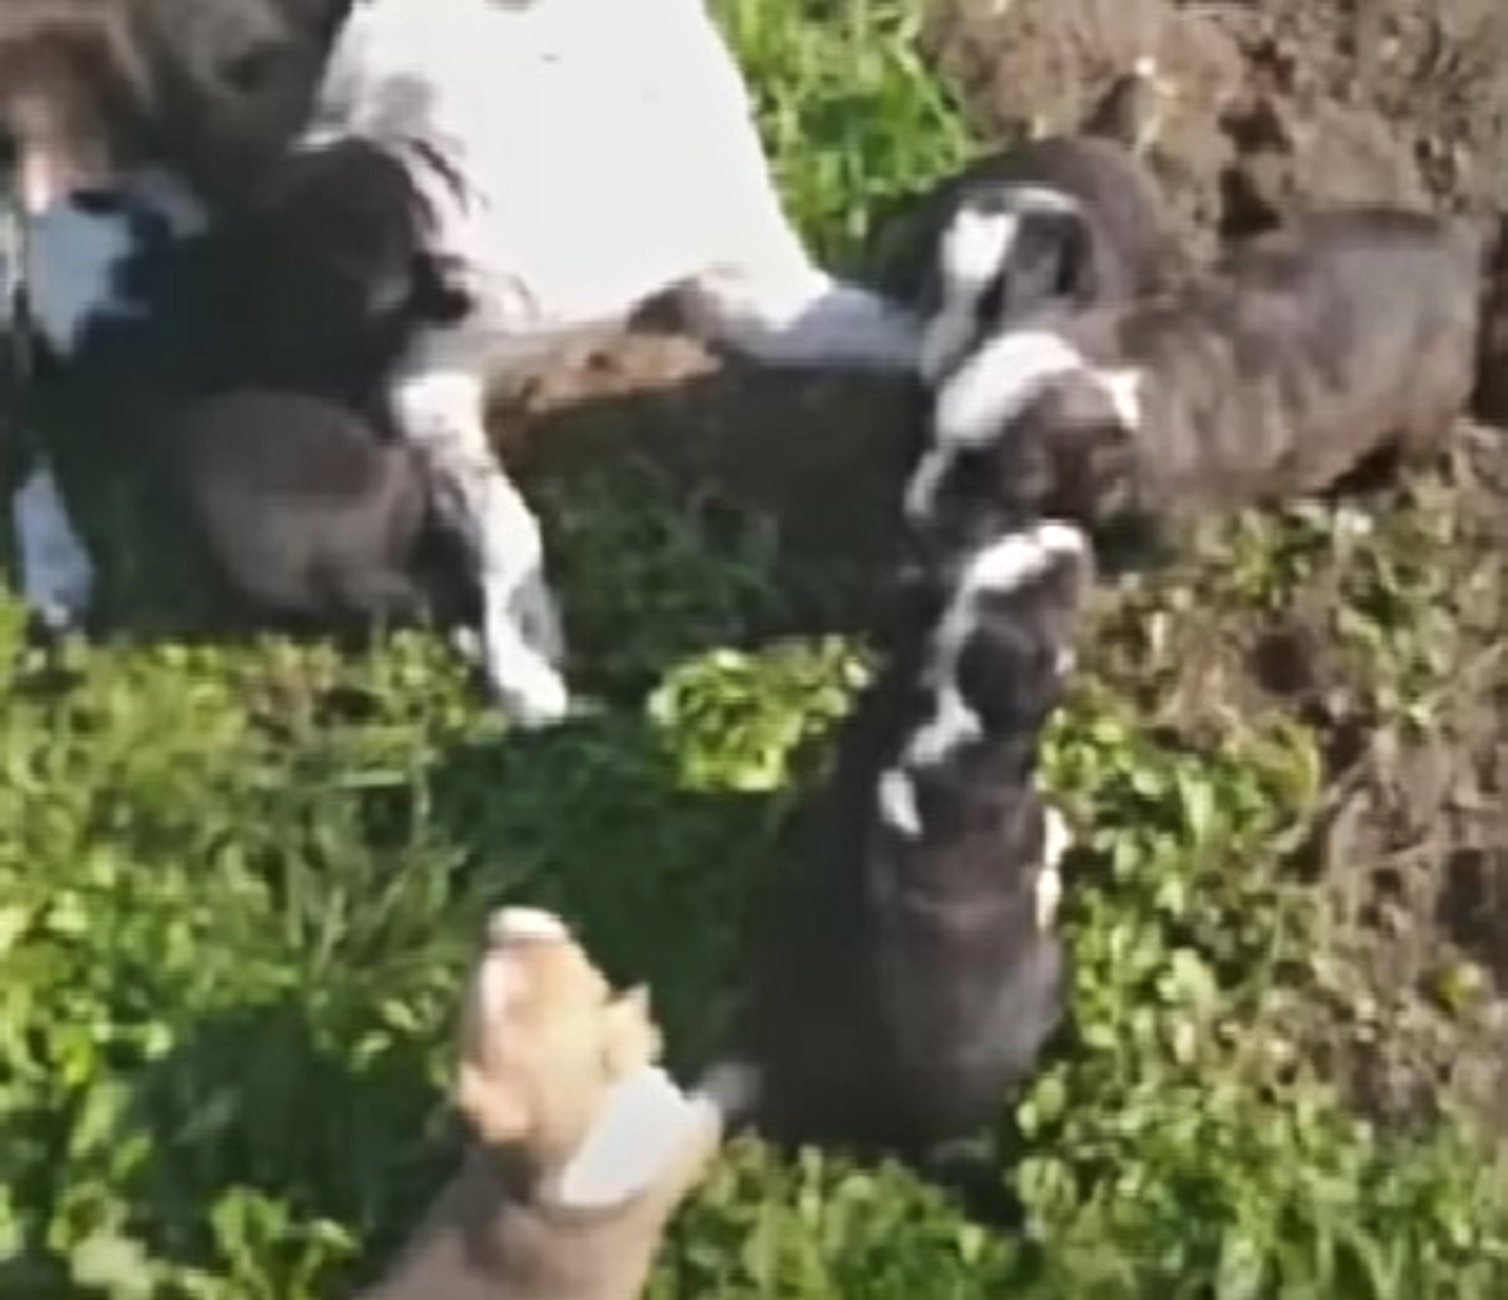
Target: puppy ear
[[497, 1110], [1078, 273]]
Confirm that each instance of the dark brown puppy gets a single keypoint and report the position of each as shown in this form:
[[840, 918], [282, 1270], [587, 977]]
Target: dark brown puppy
[[1299, 356], [908, 974]]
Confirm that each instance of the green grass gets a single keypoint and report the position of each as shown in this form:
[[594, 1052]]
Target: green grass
[[238, 886]]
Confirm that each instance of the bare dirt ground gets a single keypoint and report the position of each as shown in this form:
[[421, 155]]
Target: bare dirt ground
[[1280, 103]]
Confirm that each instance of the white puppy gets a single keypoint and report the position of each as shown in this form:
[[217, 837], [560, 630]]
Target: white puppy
[[582, 156]]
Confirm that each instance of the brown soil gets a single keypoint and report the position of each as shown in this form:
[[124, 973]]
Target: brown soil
[[1280, 102]]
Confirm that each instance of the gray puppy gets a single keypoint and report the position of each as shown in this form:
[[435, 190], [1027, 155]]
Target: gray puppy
[[1296, 358], [308, 513]]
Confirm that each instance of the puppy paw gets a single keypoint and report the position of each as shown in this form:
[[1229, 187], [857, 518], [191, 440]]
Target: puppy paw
[[532, 693]]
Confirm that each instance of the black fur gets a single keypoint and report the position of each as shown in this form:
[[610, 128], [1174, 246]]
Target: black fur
[[904, 983]]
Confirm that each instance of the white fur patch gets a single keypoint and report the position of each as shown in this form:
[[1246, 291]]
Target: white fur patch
[[439, 403], [1057, 840], [998, 382], [1019, 558], [1041, 198], [1003, 566], [500, 982], [1049, 896], [992, 388], [645, 1124], [896, 797], [975, 246], [57, 575], [71, 262], [1123, 388], [952, 725], [978, 402], [525, 924], [972, 251]]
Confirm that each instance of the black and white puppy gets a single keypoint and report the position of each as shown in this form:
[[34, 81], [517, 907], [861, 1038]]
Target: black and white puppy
[[908, 973], [308, 510], [1296, 357], [1063, 221]]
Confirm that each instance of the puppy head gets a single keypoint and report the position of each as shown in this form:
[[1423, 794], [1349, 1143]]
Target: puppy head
[[235, 82], [1027, 428], [73, 99], [1009, 251], [336, 262], [544, 1037], [1004, 643], [1017, 614]]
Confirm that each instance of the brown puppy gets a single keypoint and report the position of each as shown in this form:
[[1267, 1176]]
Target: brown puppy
[[584, 1147], [1300, 355]]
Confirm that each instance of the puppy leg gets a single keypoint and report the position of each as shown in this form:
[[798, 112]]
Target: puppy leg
[[57, 575], [763, 295], [438, 403], [797, 314]]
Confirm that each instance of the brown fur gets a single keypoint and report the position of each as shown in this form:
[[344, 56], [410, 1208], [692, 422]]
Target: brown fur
[[74, 96], [542, 1040]]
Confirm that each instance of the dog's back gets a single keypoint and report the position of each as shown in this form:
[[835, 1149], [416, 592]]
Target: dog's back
[[1343, 334], [307, 511]]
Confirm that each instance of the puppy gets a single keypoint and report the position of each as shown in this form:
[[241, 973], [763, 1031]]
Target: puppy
[[1299, 355], [583, 1148], [140, 307], [308, 513], [909, 975], [233, 83], [639, 173], [1065, 220]]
